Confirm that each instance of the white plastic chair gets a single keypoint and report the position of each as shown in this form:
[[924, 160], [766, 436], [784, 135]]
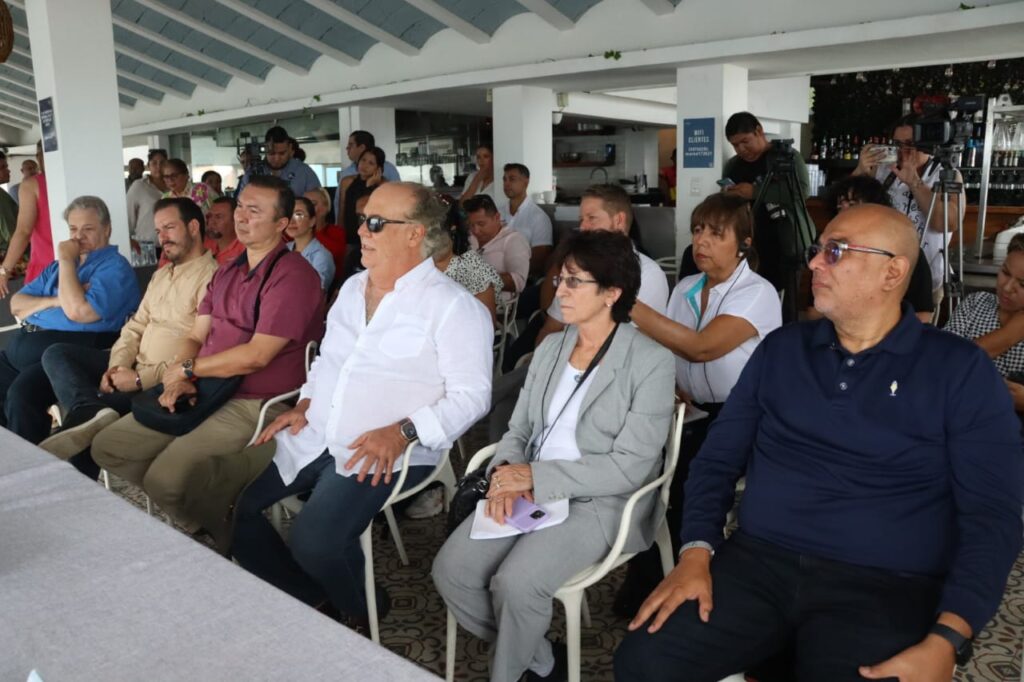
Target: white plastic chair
[[669, 266], [506, 328], [311, 349], [572, 594]]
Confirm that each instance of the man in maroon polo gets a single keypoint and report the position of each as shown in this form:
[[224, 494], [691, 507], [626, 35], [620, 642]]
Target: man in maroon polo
[[227, 340]]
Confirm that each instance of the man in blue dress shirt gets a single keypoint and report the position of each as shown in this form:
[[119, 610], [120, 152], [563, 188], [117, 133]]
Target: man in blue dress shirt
[[84, 297], [280, 162], [882, 510]]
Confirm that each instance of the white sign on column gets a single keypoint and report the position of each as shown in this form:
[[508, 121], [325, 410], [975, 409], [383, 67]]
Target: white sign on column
[[83, 154]]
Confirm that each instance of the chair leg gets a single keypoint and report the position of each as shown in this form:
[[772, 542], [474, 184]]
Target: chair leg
[[276, 517], [396, 535], [149, 506], [366, 543], [585, 609], [664, 541], [573, 605], [451, 635], [106, 479], [447, 478]]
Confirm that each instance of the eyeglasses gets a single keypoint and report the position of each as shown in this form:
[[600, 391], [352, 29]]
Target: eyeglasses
[[571, 281], [299, 215], [374, 223], [833, 251]]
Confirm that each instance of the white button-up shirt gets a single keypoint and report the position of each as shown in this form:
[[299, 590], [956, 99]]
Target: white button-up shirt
[[425, 355], [746, 295], [531, 220]]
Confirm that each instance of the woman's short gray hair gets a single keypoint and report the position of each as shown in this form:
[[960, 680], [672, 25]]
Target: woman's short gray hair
[[432, 213], [89, 202]]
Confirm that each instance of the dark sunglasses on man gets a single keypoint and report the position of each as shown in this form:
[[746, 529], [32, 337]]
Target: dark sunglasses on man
[[375, 223], [833, 250]]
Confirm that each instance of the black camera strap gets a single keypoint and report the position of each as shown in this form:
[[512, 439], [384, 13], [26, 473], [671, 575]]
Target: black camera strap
[[545, 429]]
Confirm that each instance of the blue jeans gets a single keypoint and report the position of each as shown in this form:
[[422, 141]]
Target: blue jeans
[[324, 558], [75, 374]]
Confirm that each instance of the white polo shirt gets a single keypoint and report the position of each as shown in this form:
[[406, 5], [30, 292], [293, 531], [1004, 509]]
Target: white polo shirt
[[653, 288], [531, 221], [746, 295]]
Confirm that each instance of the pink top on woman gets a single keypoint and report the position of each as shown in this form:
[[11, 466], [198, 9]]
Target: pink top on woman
[[41, 242]]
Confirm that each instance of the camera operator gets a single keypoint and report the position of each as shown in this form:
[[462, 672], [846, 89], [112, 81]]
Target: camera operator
[[280, 162], [909, 183], [774, 228]]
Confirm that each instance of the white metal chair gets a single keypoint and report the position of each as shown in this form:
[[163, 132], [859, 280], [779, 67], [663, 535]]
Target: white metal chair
[[572, 594], [506, 328], [670, 267], [311, 349]]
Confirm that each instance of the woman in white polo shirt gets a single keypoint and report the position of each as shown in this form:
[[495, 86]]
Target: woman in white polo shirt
[[714, 321]]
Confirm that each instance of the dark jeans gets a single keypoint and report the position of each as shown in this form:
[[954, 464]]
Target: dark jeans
[[836, 616], [323, 557], [25, 390], [75, 374]]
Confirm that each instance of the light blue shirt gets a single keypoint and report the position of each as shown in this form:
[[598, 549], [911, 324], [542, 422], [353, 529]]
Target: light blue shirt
[[390, 174], [113, 293], [321, 260], [298, 175]]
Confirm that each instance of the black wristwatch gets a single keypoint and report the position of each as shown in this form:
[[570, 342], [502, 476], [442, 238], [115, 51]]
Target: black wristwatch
[[408, 430], [963, 647], [186, 368]]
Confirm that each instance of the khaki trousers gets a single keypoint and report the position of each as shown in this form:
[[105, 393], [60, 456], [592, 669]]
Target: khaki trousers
[[186, 476]]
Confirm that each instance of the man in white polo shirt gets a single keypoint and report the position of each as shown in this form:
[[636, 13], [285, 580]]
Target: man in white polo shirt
[[525, 216]]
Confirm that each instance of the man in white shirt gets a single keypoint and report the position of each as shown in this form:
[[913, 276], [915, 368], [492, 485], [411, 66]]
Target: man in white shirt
[[505, 249], [407, 356], [525, 216]]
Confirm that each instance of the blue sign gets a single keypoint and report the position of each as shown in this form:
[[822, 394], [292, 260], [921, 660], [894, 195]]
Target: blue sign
[[48, 124], [698, 143]]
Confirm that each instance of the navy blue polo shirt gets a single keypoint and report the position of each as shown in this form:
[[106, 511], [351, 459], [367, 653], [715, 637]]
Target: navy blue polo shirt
[[904, 457]]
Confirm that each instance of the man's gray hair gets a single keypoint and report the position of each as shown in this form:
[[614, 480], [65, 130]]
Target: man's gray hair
[[432, 213], [91, 203]]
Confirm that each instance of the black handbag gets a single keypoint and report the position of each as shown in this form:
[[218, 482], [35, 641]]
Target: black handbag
[[473, 486], [211, 392]]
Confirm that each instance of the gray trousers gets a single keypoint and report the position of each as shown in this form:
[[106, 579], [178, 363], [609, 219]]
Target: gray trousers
[[501, 590]]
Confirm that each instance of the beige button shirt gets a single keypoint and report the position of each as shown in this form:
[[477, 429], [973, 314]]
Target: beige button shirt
[[151, 337]]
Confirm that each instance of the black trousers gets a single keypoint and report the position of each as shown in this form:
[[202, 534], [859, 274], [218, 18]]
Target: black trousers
[[25, 390], [835, 616]]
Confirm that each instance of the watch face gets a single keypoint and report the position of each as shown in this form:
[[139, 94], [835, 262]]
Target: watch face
[[409, 430]]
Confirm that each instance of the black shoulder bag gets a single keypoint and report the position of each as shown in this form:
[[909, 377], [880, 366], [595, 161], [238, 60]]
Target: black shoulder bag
[[211, 392], [473, 486]]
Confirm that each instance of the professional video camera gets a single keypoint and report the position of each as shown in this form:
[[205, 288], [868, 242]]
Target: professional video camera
[[948, 125], [248, 146]]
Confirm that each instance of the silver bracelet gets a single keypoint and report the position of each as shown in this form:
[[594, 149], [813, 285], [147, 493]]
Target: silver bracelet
[[697, 544]]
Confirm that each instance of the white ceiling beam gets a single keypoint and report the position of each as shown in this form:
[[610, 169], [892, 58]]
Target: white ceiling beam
[[546, 11], [159, 87], [21, 52], [14, 123], [222, 36], [16, 99], [278, 26], [364, 26], [451, 20], [659, 6], [20, 69], [126, 106], [26, 86], [129, 89], [18, 116], [166, 68], [201, 57], [13, 103]]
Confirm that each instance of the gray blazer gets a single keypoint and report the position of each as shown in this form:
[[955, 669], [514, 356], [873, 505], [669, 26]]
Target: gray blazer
[[621, 429]]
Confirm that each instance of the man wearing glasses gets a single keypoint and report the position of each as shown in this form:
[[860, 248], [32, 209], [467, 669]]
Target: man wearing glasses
[[909, 182], [882, 507], [407, 357]]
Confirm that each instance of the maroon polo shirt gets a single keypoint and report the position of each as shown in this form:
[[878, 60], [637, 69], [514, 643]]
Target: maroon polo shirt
[[291, 308]]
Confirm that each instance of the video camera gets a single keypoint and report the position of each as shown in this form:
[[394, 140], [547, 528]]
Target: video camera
[[948, 125], [253, 148]]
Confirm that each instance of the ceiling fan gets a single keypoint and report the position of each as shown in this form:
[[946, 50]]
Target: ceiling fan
[[6, 32]]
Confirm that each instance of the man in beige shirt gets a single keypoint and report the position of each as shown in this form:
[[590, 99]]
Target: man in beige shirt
[[95, 387]]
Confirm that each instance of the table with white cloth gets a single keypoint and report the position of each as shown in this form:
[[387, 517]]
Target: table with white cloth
[[91, 588]]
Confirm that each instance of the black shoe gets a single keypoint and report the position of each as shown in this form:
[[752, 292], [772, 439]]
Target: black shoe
[[360, 623], [560, 673]]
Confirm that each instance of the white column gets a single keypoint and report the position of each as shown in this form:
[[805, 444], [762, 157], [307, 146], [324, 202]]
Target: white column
[[379, 121], [83, 87], [716, 92], [522, 133], [158, 141]]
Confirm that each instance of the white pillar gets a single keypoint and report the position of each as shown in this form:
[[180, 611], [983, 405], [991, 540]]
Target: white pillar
[[522, 133], [379, 121], [158, 141], [82, 85], [704, 92]]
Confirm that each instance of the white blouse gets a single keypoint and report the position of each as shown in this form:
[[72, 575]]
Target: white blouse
[[558, 439], [746, 295]]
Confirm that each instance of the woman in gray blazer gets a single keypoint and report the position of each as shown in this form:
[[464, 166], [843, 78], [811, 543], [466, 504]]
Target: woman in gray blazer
[[587, 431]]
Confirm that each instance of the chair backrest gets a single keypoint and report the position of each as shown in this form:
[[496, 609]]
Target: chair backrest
[[524, 360], [675, 440], [311, 349], [482, 456]]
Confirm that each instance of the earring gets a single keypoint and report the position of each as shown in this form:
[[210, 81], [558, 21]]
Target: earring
[[608, 305]]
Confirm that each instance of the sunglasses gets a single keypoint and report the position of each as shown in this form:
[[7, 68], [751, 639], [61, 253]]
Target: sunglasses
[[374, 223], [832, 251], [571, 281]]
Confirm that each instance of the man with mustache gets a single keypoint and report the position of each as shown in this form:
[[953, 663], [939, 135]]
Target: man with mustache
[[95, 387]]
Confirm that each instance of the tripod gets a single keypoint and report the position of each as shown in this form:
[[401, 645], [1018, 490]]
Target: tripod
[[946, 185], [802, 232]]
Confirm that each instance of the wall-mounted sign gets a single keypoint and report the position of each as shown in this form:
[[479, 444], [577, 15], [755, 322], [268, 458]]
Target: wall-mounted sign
[[698, 143], [48, 124]]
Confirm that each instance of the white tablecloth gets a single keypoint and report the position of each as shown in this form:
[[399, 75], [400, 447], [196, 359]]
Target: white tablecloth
[[91, 588]]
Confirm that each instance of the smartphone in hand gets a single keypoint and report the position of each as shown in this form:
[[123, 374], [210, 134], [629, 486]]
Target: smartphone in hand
[[725, 183], [526, 515]]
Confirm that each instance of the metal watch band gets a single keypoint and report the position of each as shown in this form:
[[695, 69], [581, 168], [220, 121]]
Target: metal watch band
[[697, 544]]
